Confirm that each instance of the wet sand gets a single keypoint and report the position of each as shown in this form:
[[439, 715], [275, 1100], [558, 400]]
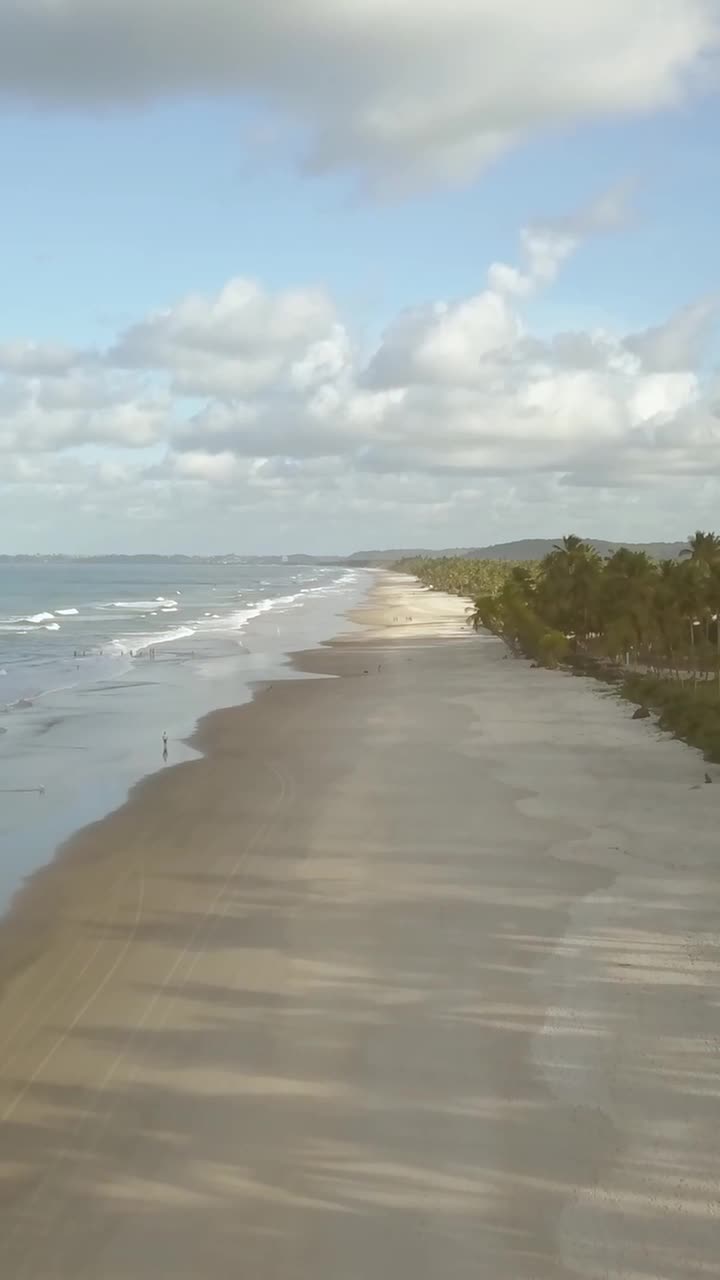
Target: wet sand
[[413, 974]]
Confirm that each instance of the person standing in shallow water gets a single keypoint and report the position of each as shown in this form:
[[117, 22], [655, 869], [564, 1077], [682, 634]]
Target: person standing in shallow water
[[164, 746]]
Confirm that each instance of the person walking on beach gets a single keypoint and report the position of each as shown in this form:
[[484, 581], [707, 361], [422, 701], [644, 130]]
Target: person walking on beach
[[164, 746]]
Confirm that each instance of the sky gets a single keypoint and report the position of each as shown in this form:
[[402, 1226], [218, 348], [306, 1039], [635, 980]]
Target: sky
[[330, 275]]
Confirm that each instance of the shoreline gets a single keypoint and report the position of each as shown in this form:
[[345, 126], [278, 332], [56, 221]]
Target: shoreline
[[26, 924], [411, 972], [86, 747]]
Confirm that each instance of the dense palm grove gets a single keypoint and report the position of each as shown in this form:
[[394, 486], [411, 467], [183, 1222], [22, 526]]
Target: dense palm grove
[[657, 622], [462, 577]]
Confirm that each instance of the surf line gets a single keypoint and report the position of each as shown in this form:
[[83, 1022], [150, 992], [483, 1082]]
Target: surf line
[[17, 791]]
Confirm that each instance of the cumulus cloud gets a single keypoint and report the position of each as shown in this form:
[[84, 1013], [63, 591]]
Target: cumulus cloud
[[43, 415], [402, 92], [33, 359], [444, 342], [459, 397], [233, 344], [682, 341], [462, 387], [454, 342], [451, 342]]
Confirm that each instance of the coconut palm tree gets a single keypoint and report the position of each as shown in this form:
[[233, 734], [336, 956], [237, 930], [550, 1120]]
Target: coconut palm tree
[[629, 582], [571, 545], [670, 625], [703, 548], [483, 614], [567, 587], [713, 591], [690, 603], [625, 607]]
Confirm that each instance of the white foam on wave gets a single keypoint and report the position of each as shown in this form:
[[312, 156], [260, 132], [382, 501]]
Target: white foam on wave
[[238, 620], [52, 626], [37, 617], [142, 606], [123, 645], [65, 613], [336, 584], [287, 599], [318, 591], [241, 617], [232, 622]]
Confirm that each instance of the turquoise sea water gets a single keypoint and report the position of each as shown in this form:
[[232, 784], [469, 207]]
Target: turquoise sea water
[[83, 705]]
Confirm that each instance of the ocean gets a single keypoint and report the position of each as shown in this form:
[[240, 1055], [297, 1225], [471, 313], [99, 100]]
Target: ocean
[[83, 704]]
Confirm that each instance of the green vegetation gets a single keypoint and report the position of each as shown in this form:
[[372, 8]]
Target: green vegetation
[[461, 576], [651, 626]]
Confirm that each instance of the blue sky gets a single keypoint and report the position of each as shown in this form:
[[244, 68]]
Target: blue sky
[[109, 215], [118, 204]]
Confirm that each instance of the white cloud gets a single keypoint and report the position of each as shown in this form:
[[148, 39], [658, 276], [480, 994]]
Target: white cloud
[[459, 398], [33, 359], [400, 91], [444, 342], [451, 342], [663, 395], [216, 468], [680, 342], [324, 361], [47, 415], [233, 344]]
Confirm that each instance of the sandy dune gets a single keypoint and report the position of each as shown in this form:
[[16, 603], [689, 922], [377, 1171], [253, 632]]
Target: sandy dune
[[415, 974]]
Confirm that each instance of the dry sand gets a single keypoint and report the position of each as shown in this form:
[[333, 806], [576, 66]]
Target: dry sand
[[415, 974]]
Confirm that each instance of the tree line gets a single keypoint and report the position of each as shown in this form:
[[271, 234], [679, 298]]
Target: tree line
[[654, 623]]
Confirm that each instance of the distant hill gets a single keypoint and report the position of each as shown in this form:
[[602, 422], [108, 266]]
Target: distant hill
[[391, 554], [524, 549], [151, 558]]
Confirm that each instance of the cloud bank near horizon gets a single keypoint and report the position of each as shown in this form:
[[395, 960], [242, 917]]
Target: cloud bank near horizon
[[260, 402]]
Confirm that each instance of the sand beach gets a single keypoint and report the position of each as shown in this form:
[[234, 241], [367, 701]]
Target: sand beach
[[412, 974]]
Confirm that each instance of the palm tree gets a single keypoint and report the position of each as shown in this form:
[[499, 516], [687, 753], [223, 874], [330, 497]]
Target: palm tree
[[571, 544], [628, 588], [690, 601], [483, 613], [703, 549], [568, 586], [668, 620], [626, 605]]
